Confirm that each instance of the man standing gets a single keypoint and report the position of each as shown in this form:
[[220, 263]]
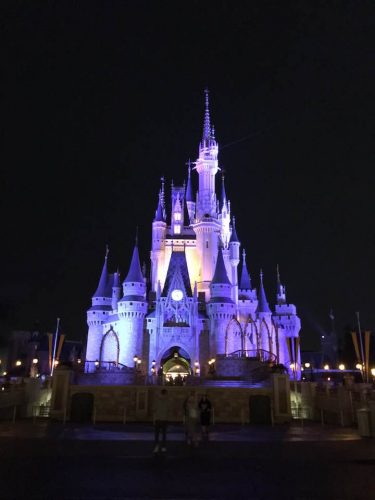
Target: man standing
[[161, 410]]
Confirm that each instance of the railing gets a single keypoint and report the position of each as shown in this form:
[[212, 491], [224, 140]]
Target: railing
[[259, 354], [107, 366]]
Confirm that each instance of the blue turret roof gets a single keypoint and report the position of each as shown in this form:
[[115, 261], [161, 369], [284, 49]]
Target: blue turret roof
[[234, 237], [189, 190], [159, 214], [135, 272], [245, 282], [220, 275], [101, 291], [262, 299]]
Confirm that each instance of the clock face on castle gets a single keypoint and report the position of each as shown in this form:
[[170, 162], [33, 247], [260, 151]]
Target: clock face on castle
[[177, 295]]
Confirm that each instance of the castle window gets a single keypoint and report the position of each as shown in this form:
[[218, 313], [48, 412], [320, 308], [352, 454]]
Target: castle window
[[177, 216], [206, 244], [177, 229]]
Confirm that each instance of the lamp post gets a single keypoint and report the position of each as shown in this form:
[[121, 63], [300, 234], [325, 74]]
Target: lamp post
[[196, 369]]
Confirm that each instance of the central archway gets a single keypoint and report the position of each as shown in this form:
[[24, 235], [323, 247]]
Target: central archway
[[176, 363]]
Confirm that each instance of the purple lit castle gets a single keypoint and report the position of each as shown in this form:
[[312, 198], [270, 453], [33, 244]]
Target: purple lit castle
[[197, 308]]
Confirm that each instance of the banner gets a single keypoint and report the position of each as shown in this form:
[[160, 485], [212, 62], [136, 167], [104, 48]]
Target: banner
[[356, 348]]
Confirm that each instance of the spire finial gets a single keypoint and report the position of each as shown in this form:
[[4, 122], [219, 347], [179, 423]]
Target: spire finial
[[136, 236], [106, 251], [243, 256], [278, 274], [261, 275], [206, 124]]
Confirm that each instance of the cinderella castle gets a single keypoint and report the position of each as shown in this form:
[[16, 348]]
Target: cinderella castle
[[198, 306]]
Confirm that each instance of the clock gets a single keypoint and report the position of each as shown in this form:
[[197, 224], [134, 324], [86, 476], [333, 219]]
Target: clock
[[177, 295]]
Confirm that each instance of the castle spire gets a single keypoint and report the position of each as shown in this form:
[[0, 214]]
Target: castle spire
[[280, 289], [223, 200], [234, 237], [159, 215], [135, 272], [263, 306], [206, 123], [103, 281], [220, 275], [245, 283], [189, 191]]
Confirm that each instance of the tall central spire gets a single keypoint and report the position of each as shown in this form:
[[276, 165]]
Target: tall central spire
[[207, 122]]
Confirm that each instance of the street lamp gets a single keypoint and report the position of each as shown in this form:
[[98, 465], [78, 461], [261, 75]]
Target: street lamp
[[341, 366], [35, 361], [326, 367], [18, 362]]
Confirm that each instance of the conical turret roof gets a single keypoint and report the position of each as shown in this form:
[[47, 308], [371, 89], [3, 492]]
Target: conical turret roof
[[135, 272], [189, 190], [245, 282], [220, 275], [159, 215], [234, 237], [101, 291], [262, 299]]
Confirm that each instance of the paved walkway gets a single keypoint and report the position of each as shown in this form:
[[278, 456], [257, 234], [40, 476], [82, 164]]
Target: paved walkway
[[114, 461]]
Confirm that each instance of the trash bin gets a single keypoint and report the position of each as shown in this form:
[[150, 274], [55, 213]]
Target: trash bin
[[364, 426]]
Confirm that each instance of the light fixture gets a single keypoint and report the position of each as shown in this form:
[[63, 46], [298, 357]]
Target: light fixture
[[96, 363], [329, 379], [153, 362], [292, 366], [326, 367], [307, 365], [4, 374], [373, 372], [135, 359], [358, 366], [56, 362], [18, 362], [35, 361], [341, 366], [79, 361], [139, 361]]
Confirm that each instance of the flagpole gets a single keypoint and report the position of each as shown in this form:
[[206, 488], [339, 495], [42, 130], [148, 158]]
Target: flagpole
[[361, 342], [55, 345]]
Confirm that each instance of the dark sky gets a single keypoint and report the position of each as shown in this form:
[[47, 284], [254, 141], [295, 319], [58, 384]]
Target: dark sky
[[102, 98]]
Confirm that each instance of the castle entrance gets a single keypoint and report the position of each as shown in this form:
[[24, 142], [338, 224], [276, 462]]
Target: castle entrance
[[176, 365]]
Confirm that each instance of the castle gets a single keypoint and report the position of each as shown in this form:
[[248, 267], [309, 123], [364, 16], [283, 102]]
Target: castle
[[198, 306]]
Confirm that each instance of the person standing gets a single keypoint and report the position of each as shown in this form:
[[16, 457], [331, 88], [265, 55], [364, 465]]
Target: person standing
[[161, 411], [205, 409], [191, 419]]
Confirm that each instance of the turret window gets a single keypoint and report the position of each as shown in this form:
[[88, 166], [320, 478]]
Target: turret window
[[177, 229], [177, 216]]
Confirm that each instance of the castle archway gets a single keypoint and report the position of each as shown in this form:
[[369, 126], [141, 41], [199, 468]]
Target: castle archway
[[176, 364]]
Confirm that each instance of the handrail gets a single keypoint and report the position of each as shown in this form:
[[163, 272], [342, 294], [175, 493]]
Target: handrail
[[260, 354], [105, 366]]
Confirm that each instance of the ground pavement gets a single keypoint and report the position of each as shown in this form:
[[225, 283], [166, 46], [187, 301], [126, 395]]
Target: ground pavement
[[114, 461]]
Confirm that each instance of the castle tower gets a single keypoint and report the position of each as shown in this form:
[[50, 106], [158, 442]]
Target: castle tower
[[263, 313], [221, 307], [159, 230], [98, 314], [132, 309], [207, 227], [288, 326]]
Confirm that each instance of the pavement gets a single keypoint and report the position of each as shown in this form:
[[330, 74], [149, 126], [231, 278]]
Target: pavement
[[115, 461]]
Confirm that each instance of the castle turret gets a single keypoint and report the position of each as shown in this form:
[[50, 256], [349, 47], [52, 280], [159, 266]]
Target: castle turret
[[264, 314], [221, 307], [98, 313], [116, 290], [132, 309], [159, 230], [234, 258], [280, 290], [224, 215]]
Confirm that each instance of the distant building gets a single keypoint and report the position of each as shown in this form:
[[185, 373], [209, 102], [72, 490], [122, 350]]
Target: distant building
[[198, 305], [29, 353]]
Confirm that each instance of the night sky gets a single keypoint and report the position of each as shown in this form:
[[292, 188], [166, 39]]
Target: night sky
[[100, 99]]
